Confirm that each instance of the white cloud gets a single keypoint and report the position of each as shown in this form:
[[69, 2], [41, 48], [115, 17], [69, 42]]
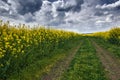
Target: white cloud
[[106, 12], [108, 19], [61, 4], [84, 20], [4, 6], [14, 6], [43, 16], [55, 5], [109, 6]]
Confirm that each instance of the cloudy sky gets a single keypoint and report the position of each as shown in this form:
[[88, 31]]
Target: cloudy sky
[[72, 15]]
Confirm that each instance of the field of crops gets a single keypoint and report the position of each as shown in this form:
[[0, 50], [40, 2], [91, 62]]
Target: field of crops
[[110, 40], [20, 46], [112, 36], [30, 53]]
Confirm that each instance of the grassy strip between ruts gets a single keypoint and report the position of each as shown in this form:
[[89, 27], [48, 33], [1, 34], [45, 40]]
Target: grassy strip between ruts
[[114, 49], [41, 67], [85, 65]]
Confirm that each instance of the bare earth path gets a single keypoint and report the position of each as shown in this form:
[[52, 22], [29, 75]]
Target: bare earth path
[[110, 63], [61, 66]]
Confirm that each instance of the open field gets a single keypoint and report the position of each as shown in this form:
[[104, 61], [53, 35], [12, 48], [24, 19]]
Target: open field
[[48, 54]]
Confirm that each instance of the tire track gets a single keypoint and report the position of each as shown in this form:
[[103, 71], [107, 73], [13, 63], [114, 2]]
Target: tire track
[[110, 63], [61, 66]]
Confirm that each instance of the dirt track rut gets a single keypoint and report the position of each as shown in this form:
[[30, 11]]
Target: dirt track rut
[[61, 66], [110, 63]]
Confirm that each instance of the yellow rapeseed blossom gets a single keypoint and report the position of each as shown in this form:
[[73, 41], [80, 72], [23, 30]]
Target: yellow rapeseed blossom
[[5, 38], [16, 40], [1, 65], [1, 54]]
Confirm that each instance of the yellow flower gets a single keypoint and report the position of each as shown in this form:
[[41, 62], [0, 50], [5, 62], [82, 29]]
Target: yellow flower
[[22, 51], [7, 43], [1, 65], [18, 41], [4, 51], [5, 39], [14, 49], [1, 55]]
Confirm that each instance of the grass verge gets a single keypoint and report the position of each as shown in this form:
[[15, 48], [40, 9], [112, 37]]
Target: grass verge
[[40, 67]]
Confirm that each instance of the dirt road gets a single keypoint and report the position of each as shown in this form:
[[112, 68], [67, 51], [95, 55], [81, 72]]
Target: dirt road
[[110, 63], [60, 67]]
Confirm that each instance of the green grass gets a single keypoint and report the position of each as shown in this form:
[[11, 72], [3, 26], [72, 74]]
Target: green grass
[[85, 65], [112, 48], [39, 67]]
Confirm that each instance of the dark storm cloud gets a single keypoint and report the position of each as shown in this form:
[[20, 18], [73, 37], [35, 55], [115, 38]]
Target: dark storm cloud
[[65, 9], [99, 13], [107, 1], [22, 6], [29, 6], [78, 6], [52, 0], [5, 0]]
